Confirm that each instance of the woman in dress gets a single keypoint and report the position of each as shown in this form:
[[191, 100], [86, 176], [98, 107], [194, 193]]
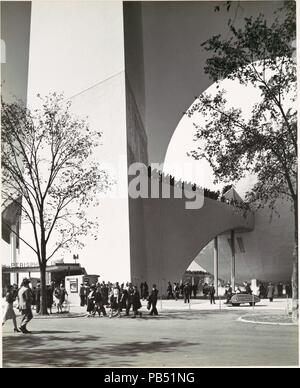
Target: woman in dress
[[270, 292], [9, 308], [61, 298]]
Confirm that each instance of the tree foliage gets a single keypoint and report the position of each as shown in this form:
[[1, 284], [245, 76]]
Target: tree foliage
[[261, 55], [48, 172]]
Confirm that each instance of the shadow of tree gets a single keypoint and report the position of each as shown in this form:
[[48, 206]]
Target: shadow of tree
[[50, 351], [187, 315]]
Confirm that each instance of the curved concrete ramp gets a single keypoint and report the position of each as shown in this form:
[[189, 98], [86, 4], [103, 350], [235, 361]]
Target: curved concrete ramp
[[165, 237]]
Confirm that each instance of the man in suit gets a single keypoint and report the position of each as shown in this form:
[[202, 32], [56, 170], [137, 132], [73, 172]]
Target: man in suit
[[169, 291], [212, 292], [25, 300], [270, 292], [153, 300], [187, 292], [248, 289], [228, 293], [129, 296], [99, 305], [82, 295], [86, 293]]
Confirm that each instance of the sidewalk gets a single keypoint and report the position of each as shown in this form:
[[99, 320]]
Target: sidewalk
[[165, 305], [204, 305]]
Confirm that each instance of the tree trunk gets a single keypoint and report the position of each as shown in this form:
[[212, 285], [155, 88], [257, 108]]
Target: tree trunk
[[295, 309], [43, 265], [43, 310]]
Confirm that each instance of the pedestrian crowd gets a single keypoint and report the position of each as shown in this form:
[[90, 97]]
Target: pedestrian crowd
[[114, 300], [118, 299], [56, 295], [183, 290]]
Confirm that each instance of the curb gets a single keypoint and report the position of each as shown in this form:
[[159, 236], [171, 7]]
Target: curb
[[243, 319]]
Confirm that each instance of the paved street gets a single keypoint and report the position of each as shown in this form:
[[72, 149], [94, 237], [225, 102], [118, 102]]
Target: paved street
[[200, 336]]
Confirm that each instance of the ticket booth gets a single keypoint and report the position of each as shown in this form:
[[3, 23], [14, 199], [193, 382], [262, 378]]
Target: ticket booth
[[73, 284]]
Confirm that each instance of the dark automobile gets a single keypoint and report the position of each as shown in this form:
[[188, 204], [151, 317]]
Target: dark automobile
[[238, 299]]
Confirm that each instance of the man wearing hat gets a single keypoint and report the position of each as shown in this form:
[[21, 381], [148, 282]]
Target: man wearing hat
[[187, 292], [152, 300], [25, 301]]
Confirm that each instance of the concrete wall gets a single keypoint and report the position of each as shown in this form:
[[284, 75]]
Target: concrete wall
[[174, 235], [137, 141], [134, 52]]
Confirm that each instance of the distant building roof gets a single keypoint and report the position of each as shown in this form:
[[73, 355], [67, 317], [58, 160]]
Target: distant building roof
[[195, 267], [232, 194]]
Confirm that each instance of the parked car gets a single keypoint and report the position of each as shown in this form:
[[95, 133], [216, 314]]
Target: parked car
[[238, 299]]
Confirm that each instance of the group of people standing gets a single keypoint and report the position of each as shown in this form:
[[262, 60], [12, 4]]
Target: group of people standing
[[55, 294], [263, 291], [270, 291], [117, 298], [184, 290]]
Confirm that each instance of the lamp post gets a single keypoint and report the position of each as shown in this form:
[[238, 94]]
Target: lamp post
[[232, 260], [216, 265]]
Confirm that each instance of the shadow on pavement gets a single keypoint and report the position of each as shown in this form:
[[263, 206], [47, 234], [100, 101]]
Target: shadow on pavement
[[245, 305], [53, 332], [189, 314], [37, 351]]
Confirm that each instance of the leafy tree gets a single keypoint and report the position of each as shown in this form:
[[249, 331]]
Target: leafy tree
[[48, 173], [260, 54]]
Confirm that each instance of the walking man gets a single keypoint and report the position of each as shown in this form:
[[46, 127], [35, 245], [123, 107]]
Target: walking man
[[99, 305], [270, 292], [153, 300], [25, 300], [169, 291]]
